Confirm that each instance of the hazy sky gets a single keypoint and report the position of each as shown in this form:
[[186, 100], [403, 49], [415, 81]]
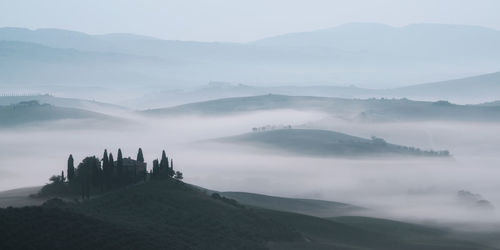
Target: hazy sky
[[236, 20]]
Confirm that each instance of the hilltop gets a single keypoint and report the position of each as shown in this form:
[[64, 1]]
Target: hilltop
[[29, 112], [325, 143]]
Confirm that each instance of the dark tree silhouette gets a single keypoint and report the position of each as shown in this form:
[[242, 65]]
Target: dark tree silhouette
[[156, 168], [71, 168], [178, 175], [107, 170], [140, 157], [112, 171], [163, 162], [90, 176], [171, 171], [119, 166]]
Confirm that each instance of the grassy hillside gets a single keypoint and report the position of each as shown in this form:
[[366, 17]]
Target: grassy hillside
[[320, 233], [323, 143], [19, 197], [60, 102], [363, 109], [311, 207], [32, 111], [48, 228], [185, 218], [168, 214], [475, 88]]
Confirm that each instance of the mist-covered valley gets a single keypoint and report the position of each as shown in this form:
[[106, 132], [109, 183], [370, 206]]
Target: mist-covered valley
[[349, 135], [411, 187]]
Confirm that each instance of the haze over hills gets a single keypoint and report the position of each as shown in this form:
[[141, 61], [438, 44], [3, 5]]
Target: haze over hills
[[60, 102], [469, 90], [415, 41], [358, 109], [473, 89], [31, 64], [271, 125], [360, 54]]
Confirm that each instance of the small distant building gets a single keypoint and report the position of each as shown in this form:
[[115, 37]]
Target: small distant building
[[131, 165]]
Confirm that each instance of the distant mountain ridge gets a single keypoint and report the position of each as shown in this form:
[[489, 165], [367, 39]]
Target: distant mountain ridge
[[416, 40], [360, 54]]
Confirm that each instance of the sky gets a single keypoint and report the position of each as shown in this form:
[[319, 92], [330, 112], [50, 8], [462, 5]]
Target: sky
[[237, 20]]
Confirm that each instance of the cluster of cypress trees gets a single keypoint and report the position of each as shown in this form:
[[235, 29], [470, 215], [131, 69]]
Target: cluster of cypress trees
[[91, 176], [163, 168]]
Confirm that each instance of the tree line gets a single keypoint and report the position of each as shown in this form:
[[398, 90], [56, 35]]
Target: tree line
[[94, 175]]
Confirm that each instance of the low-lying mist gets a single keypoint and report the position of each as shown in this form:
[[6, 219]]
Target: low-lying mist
[[408, 188]]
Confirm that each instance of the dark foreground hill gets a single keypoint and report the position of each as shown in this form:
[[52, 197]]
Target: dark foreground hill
[[311, 207], [32, 111], [324, 143], [166, 214], [362, 109]]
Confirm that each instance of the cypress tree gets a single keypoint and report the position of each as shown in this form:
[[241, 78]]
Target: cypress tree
[[164, 163], [172, 172], [119, 166], [111, 169], [62, 176], [71, 168], [105, 159], [105, 169], [140, 157], [156, 168]]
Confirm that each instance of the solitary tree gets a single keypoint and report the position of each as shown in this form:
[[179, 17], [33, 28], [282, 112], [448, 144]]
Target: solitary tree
[[178, 175], [71, 168]]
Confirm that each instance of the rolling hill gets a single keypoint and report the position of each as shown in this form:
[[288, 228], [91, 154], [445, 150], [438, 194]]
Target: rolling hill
[[28, 112], [318, 208], [324, 143], [359, 109], [477, 89], [170, 214], [61, 102]]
